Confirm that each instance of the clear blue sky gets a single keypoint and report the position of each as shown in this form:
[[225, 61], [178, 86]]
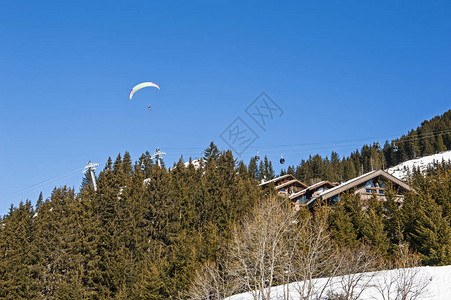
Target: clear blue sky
[[340, 70]]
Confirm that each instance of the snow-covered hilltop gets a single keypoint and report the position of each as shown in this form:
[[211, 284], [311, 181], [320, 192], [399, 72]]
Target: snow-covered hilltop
[[402, 170]]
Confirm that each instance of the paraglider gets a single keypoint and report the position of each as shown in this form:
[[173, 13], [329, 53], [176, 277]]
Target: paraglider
[[141, 86]]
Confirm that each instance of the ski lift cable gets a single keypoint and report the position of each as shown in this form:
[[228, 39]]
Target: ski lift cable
[[315, 145], [350, 142], [40, 184], [422, 136], [319, 146], [290, 149], [342, 144]]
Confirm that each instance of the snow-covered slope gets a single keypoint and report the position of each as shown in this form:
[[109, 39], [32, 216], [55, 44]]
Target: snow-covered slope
[[435, 281], [402, 170]]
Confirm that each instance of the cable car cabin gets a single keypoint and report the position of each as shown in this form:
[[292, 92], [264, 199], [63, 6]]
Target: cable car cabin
[[285, 185]]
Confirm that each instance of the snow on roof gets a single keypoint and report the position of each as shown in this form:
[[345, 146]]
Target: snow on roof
[[310, 201], [316, 184], [298, 193], [275, 179], [338, 189], [310, 188], [345, 183]]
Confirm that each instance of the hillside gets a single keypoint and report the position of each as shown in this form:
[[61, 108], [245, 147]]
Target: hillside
[[432, 136], [133, 240], [437, 282], [403, 170]]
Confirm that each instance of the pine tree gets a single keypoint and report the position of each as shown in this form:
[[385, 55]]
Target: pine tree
[[211, 152], [151, 283], [19, 274], [337, 167], [354, 209], [109, 164], [427, 147], [426, 229], [67, 249], [290, 170], [269, 171], [253, 170], [127, 165], [242, 169], [440, 146], [374, 230], [349, 170], [341, 227], [393, 221], [387, 153], [40, 200]]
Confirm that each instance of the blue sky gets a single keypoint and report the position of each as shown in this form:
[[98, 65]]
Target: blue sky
[[350, 71]]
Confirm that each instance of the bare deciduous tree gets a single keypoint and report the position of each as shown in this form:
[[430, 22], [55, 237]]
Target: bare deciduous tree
[[357, 266], [276, 246], [209, 284], [259, 250], [312, 254], [404, 281]]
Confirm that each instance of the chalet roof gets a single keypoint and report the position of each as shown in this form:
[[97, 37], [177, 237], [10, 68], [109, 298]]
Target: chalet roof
[[358, 180], [276, 179], [289, 183], [298, 193], [318, 184]]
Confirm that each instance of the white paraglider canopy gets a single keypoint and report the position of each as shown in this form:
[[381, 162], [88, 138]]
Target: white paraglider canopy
[[141, 86]]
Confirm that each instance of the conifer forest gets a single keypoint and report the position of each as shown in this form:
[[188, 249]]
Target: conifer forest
[[186, 232]]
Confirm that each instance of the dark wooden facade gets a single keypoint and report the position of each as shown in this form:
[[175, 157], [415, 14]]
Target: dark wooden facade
[[366, 185]]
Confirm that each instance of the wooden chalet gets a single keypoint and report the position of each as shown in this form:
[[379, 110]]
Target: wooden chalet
[[310, 192], [285, 185], [366, 185]]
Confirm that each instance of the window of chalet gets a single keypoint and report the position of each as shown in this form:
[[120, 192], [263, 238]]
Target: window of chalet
[[302, 199], [369, 183]]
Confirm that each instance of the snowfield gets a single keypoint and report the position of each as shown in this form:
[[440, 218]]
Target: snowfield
[[402, 170], [429, 282]]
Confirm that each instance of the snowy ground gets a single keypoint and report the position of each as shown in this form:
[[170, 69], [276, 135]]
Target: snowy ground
[[436, 282], [402, 170]]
